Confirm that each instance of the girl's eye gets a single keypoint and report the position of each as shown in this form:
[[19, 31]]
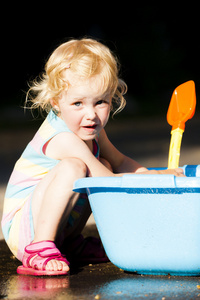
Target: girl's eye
[[77, 104], [100, 102]]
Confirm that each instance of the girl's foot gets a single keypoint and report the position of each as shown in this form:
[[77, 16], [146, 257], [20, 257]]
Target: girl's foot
[[56, 265], [43, 258]]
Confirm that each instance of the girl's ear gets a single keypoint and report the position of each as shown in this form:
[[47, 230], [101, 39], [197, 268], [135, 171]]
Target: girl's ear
[[55, 106]]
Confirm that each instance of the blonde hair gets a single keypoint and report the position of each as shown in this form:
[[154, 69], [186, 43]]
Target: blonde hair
[[85, 57]]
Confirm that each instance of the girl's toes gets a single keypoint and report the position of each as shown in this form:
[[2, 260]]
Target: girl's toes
[[56, 265], [65, 267], [50, 266], [59, 266]]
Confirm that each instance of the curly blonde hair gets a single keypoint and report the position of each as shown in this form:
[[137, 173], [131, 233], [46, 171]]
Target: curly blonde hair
[[85, 57]]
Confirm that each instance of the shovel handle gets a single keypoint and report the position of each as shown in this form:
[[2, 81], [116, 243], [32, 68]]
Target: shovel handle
[[174, 149]]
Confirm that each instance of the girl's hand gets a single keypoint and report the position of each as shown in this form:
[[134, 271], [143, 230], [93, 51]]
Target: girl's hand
[[177, 172]]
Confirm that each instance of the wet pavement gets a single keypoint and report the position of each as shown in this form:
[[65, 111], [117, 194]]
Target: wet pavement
[[146, 142], [100, 281]]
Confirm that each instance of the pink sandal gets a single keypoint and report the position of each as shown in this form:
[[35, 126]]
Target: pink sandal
[[40, 253]]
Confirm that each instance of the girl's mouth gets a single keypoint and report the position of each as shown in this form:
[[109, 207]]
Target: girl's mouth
[[90, 127]]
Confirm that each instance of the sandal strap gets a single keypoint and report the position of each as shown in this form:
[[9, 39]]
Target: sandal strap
[[41, 253], [39, 246]]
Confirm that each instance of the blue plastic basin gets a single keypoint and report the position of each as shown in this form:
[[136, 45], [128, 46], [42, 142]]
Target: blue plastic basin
[[149, 224]]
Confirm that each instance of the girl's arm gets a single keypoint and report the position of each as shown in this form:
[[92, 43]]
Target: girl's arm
[[66, 145], [124, 164], [119, 162]]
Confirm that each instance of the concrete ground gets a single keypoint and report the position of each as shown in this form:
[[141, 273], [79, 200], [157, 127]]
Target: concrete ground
[[147, 141], [102, 281]]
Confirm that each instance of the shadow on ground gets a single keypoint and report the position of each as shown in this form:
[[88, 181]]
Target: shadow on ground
[[94, 281]]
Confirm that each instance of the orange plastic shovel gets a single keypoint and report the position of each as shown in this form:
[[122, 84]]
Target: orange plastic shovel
[[181, 108]]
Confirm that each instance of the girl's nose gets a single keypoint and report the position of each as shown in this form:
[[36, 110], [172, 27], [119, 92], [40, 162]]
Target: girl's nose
[[90, 114]]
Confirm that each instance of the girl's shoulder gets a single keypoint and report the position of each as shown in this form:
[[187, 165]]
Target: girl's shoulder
[[50, 127], [55, 122]]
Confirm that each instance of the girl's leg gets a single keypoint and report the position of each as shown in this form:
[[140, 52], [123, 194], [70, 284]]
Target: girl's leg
[[70, 229], [53, 201], [70, 232]]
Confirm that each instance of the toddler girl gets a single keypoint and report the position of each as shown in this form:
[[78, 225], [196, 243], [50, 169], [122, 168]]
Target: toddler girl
[[79, 88]]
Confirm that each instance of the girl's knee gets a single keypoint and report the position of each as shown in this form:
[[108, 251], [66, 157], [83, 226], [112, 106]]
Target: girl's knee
[[74, 166]]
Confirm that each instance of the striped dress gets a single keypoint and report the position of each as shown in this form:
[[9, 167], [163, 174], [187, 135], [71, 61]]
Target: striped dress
[[32, 166]]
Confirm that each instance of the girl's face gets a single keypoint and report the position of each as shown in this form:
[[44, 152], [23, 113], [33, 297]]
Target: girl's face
[[84, 107]]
